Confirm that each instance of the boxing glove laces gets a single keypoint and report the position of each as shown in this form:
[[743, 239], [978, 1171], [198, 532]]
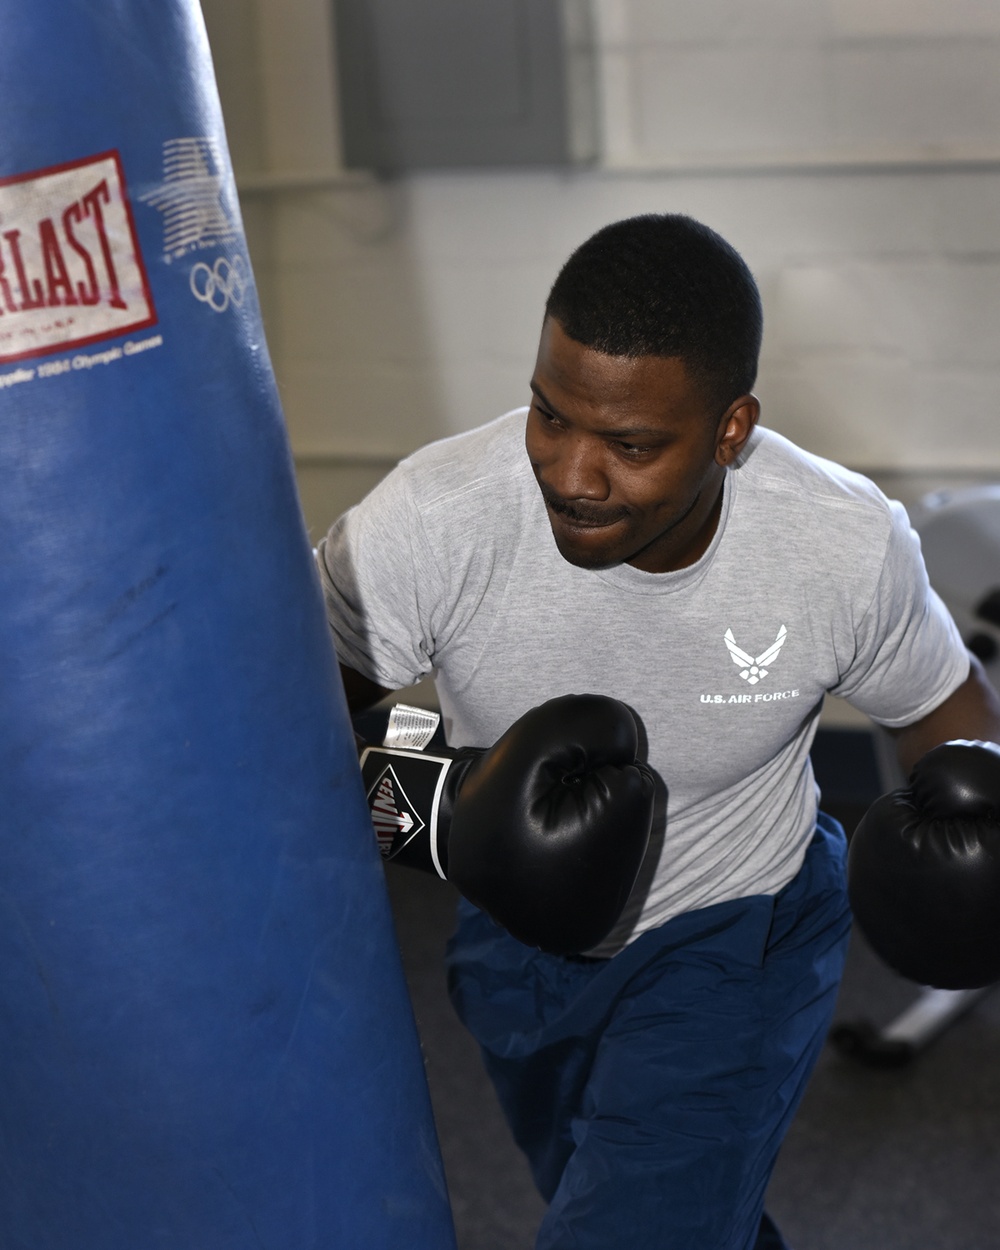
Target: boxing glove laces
[[924, 869], [545, 830]]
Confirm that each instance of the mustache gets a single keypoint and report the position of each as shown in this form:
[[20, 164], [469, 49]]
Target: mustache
[[582, 513]]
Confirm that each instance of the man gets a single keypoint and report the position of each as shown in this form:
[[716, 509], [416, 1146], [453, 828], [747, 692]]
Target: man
[[634, 533]]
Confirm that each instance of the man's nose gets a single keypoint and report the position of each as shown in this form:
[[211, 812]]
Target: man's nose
[[574, 470]]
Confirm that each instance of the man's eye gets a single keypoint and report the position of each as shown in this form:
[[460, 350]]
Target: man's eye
[[634, 450]]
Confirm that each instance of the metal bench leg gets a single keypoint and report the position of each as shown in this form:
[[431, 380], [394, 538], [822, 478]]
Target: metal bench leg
[[913, 1030]]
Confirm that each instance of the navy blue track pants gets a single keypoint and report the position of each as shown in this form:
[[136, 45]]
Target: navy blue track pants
[[651, 1092]]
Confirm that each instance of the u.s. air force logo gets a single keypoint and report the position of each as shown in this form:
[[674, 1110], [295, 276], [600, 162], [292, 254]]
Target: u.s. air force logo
[[753, 669]]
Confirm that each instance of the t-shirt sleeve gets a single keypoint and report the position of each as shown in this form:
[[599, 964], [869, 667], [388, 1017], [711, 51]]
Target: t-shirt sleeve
[[379, 577], [909, 655]]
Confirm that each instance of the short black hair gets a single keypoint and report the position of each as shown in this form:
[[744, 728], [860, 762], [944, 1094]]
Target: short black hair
[[664, 285]]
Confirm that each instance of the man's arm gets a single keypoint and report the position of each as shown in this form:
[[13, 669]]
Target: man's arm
[[924, 862], [361, 691], [971, 712]]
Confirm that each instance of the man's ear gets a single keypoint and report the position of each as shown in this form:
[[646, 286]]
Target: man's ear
[[735, 427]]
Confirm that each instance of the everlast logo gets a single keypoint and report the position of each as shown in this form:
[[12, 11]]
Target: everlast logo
[[70, 267]]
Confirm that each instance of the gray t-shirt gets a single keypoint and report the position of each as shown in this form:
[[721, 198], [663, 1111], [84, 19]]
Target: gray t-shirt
[[813, 582]]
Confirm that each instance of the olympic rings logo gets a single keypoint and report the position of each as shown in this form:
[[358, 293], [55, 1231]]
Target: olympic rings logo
[[223, 284]]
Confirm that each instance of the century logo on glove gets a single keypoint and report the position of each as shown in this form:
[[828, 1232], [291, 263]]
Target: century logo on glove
[[399, 785], [393, 814]]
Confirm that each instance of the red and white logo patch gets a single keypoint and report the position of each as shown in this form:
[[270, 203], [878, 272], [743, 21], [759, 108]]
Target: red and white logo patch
[[71, 271]]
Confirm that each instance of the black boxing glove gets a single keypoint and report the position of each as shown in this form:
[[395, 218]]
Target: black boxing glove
[[924, 870], [545, 831]]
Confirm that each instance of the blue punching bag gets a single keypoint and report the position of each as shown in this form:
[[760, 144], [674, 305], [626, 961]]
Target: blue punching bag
[[205, 1038]]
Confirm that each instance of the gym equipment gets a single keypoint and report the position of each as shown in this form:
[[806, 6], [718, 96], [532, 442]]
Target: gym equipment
[[913, 1030], [545, 831], [206, 1036]]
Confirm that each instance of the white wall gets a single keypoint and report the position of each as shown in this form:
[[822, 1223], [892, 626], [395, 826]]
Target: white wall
[[849, 148]]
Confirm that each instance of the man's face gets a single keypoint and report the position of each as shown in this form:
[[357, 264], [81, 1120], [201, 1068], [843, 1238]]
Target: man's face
[[628, 455]]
